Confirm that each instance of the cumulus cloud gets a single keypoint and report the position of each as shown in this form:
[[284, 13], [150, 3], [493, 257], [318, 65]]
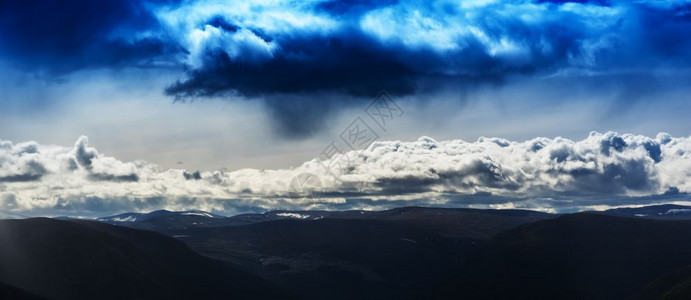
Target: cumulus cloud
[[602, 169], [20, 162], [602, 164]]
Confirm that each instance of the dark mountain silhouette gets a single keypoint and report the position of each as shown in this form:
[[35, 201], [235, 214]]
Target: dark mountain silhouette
[[459, 222], [579, 256], [392, 253], [9, 292], [336, 258], [90, 260]]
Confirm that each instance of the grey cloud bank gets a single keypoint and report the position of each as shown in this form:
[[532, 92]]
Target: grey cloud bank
[[601, 170]]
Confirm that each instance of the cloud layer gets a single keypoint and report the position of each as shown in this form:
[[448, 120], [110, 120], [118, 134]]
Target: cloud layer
[[552, 174]]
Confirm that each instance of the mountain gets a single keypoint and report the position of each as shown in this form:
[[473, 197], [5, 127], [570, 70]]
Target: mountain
[[479, 224], [579, 256], [90, 260], [168, 220], [452, 222], [402, 253], [164, 219], [662, 212], [323, 255], [328, 258]]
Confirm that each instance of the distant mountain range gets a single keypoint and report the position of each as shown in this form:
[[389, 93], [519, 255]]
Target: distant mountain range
[[165, 220], [403, 253], [661, 212], [446, 221]]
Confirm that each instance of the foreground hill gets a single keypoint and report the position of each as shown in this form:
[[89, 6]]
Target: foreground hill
[[580, 256], [672, 286], [89, 260], [336, 258], [324, 255], [10, 292]]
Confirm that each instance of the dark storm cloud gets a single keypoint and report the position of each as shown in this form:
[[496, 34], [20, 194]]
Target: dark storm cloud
[[352, 47], [342, 7], [349, 63], [290, 54], [62, 36], [399, 45], [358, 48], [596, 2]]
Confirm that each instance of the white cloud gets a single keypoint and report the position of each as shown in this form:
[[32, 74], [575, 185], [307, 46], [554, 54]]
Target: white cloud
[[189, 23], [52, 179]]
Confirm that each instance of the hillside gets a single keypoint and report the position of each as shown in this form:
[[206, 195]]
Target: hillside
[[579, 256], [88, 260]]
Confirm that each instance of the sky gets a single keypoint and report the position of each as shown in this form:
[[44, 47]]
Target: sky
[[248, 106]]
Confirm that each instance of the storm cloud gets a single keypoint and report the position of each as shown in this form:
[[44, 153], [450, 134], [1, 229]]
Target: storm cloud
[[361, 47], [53, 38], [310, 58]]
